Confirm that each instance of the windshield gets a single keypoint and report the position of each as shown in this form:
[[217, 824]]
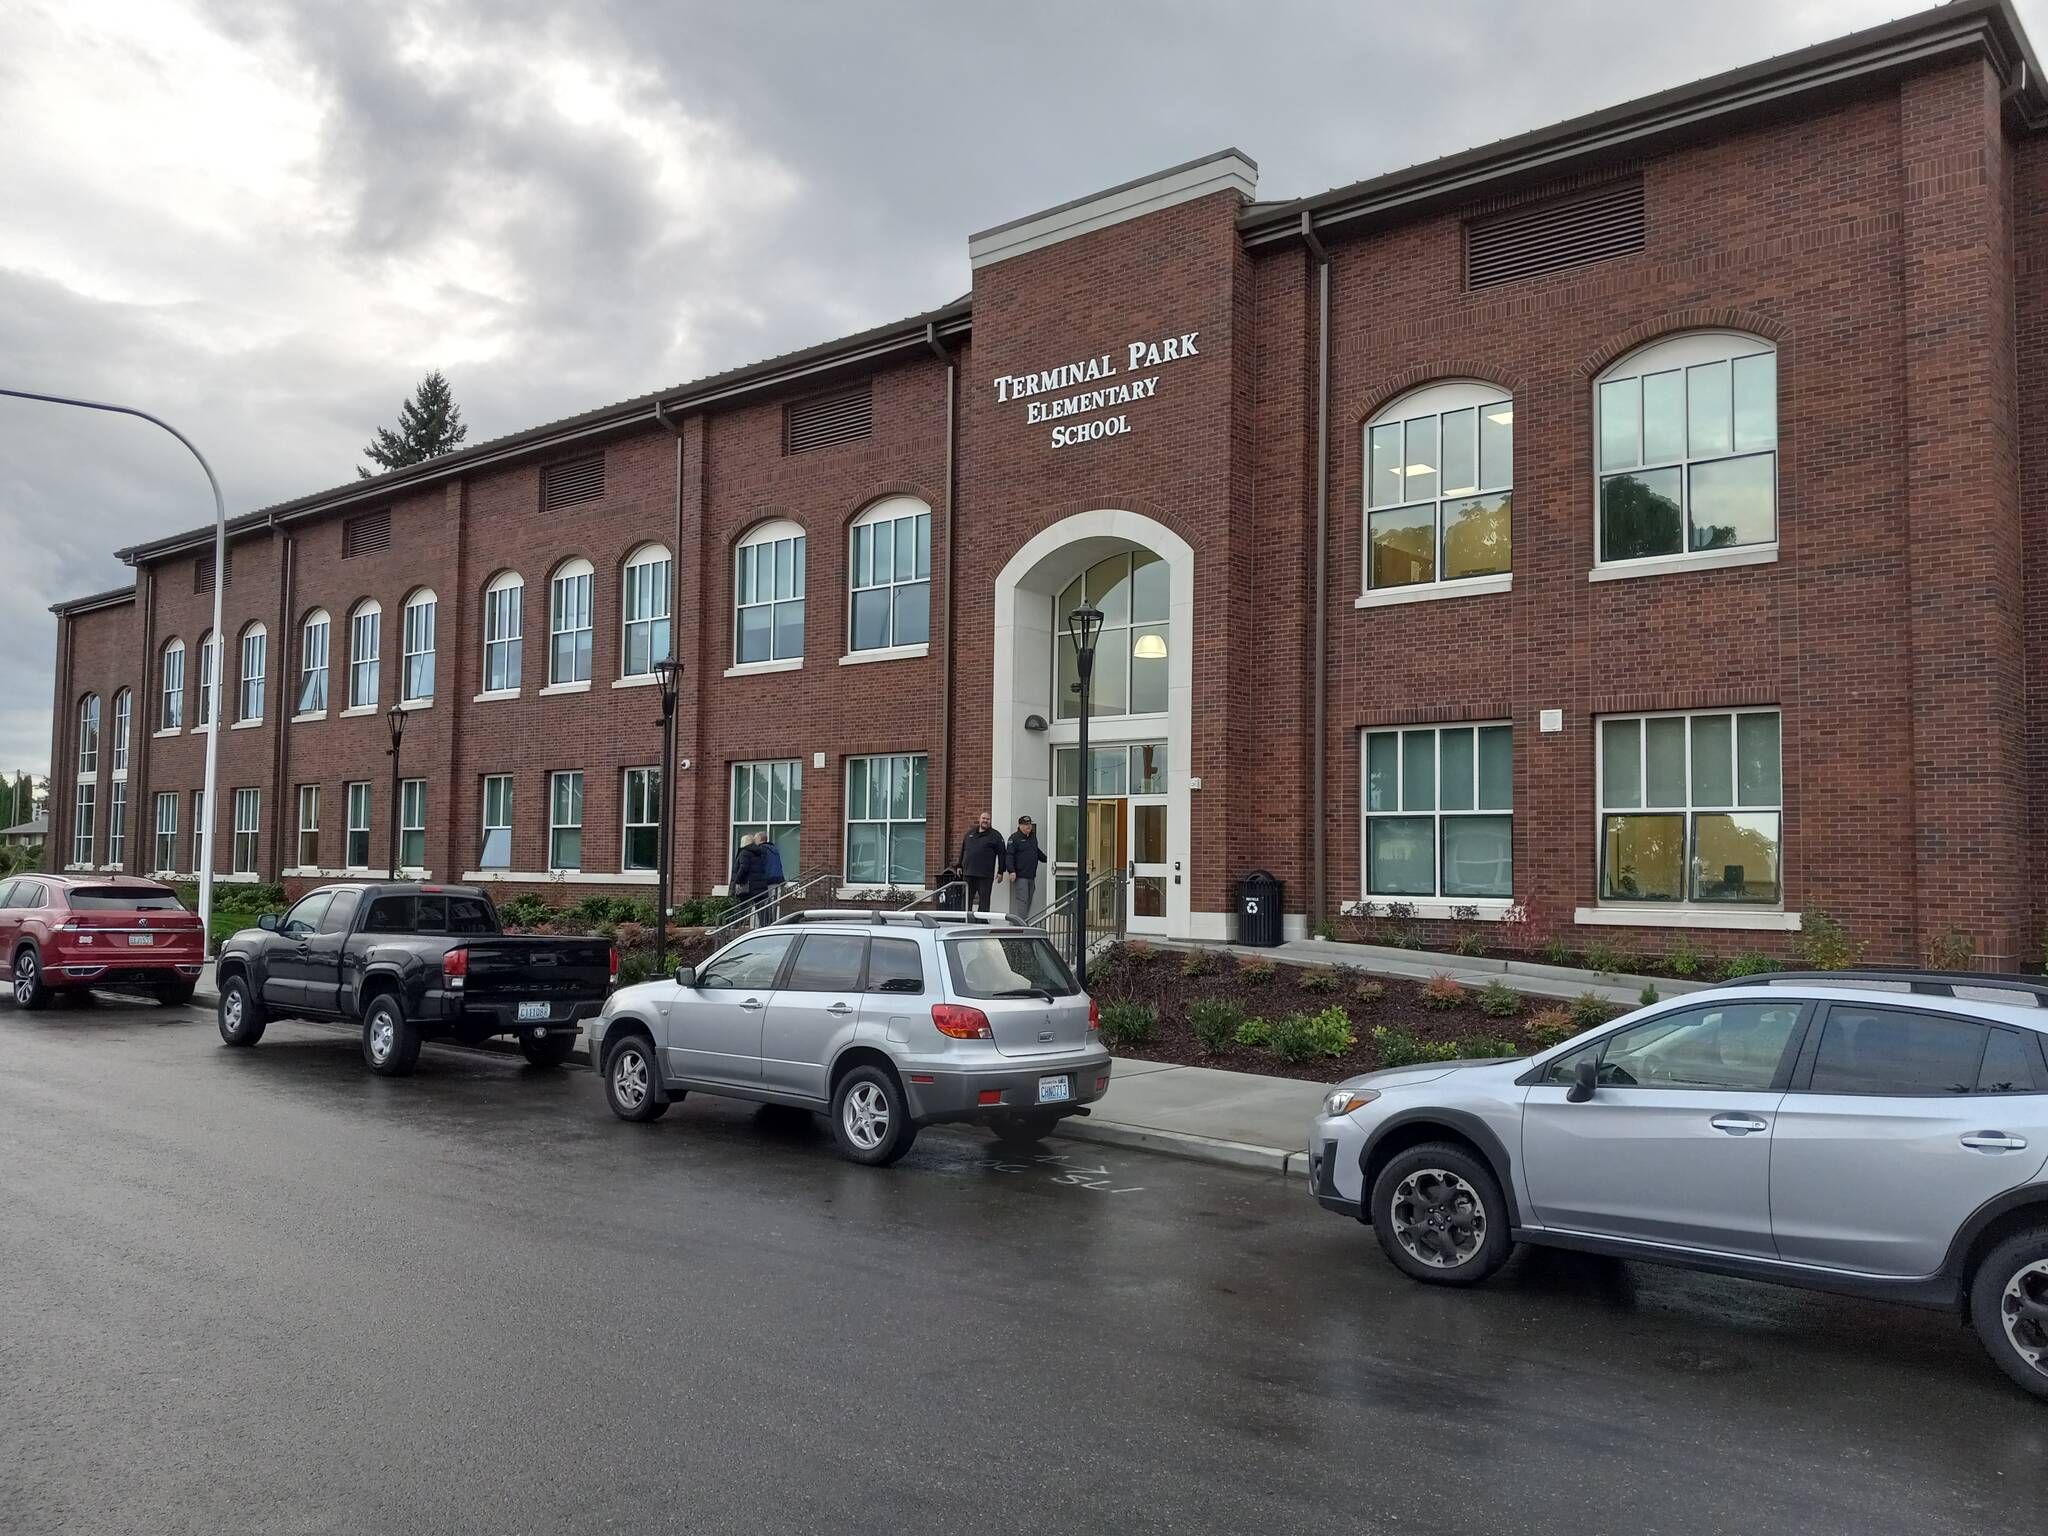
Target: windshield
[[1008, 965], [122, 899]]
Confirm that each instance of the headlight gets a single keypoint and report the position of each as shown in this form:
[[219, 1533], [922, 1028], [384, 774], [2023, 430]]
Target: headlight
[[1341, 1101]]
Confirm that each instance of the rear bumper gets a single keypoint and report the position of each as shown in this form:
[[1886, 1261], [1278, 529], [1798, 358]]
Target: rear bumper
[[156, 972], [938, 1096], [473, 1016]]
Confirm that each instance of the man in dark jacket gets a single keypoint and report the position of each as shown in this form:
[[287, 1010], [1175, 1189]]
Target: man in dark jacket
[[1025, 859], [982, 858], [746, 870], [768, 876]]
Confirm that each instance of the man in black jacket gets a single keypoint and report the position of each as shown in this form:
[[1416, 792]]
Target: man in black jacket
[[1026, 858], [982, 858]]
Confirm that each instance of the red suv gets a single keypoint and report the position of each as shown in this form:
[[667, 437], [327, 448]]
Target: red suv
[[69, 932]]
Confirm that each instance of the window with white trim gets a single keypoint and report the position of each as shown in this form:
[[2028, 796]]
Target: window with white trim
[[497, 846], [356, 849], [412, 824], [565, 821], [569, 623], [885, 814], [1439, 487], [1690, 807], [248, 816], [768, 595], [209, 663], [1439, 813], [86, 796], [1686, 434], [171, 710], [645, 611], [309, 826], [117, 824], [255, 661], [417, 625], [124, 710], [313, 663], [198, 827], [891, 577], [89, 736], [504, 619], [1132, 592], [365, 651], [768, 797], [167, 830], [641, 819]]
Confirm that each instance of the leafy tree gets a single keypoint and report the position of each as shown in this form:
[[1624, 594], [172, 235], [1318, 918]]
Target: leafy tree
[[429, 424]]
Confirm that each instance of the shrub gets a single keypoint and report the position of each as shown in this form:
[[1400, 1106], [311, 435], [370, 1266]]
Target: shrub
[[1214, 1022], [1590, 1008], [1951, 950], [1198, 962], [1684, 957], [1823, 943], [1319, 978], [1400, 911], [1554, 952], [703, 911], [1258, 972], [1127, 1024], [635, 968], [1748, 965], [1408, 937], [1324, 931], [1291, 1041], [1330, 1032], [1254, 1033], [1468, 941], [1648, 995], [1605, 958], [1398, 1048], [1440, 992], [1484, 1047], [527, 911], [1369, 993], [1498, 1000], [1138, 952], [1551, 1026]]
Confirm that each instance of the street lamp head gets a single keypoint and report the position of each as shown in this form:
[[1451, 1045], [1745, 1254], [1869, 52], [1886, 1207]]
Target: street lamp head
[[396, 716], [1084, 625], [668, 674]]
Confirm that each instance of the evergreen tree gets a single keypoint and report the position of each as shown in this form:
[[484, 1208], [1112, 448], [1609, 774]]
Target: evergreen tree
[[429, 424]]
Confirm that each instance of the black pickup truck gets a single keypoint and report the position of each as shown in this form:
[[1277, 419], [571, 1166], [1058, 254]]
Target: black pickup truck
[[411, 963]]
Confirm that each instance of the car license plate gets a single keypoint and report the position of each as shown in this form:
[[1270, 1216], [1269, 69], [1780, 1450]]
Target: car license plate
[[528, 1011], [1055, 1090], [141, 938]]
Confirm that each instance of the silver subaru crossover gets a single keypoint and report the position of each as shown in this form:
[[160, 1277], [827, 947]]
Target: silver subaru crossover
[[1873, 1133], [887, 1022]]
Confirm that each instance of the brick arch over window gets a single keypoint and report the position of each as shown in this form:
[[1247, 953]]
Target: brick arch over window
[[1447, 371], [1700, 317], [887, 491]]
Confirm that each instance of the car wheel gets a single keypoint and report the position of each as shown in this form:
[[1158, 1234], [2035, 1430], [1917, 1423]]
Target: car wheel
[[1438, 1212], [30, 990], [870, 1119], [1026, 1130], [391, 1041], [629, 1081], [550, 1050], [2009, 1306], [241, 1016], [177, 995]]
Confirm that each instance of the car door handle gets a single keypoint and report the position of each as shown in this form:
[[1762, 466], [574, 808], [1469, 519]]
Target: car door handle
[[1995, 1141], [1738, 1125], [839, 1008], [752, 1005]]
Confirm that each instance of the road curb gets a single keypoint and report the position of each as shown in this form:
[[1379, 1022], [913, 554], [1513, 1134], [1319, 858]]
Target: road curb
[[1184, 1144]]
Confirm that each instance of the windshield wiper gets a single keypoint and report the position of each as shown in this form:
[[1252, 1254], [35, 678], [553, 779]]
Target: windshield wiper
[[1038, 992]]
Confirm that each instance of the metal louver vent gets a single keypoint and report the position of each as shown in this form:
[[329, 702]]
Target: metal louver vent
[[202, 572], [566, 485], [369, 534], [829, 419], [1566, 232]]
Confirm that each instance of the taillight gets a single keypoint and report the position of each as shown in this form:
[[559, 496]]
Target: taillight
[[961, 1022], [455, 969], [1094, 1017], [614, 979]]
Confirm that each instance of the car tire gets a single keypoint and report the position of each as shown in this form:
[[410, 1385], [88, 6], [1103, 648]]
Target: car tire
[[871, 1118], [1439, 1214], [629, 1080], [30, 990], [391, 1041], [2009, 1307], [177, 995], [551, 1050], [1026, 1130], [241, 1015]]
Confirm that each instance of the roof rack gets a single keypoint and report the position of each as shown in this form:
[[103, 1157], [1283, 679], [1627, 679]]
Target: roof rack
[[1914, 979], [884, 916]]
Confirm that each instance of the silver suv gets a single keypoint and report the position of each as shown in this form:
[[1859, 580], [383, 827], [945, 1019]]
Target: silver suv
[[1877, 1134], [887, 1021]]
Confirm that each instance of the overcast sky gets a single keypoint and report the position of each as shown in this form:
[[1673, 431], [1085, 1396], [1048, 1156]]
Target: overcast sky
[[265, 220]]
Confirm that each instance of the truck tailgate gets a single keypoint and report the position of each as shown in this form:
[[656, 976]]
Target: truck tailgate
[[513, 970]]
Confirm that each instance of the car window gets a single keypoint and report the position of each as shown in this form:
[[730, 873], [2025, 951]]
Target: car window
[[123, 898], [895, 965], [2012, 1064], [1897, 1051], [392, 914], [470, 914], [305, 917], [342, 913], [7, 889], [828, 962], [30, 895], [748, 964], [1006, 965], [1732, 1045]]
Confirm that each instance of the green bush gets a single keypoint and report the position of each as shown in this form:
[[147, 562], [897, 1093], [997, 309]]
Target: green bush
[[634, 968], [1552, 1026], [1255, 1033], [1440, 993], [1684, 957], [525, 911], [1468, 941], [1398, 1048], [1319, 978], [1407, 937], [1214, 1022], [1648, 995], [1606, 958], [1127, 1024], [1370, 993], [1748, 965], [703, 911], [1301, 1037], [1498, 1000], [1823, 944], [1484, 1047], [1590, 1009], [1951, 950], [1554, 952], [1198, 962]]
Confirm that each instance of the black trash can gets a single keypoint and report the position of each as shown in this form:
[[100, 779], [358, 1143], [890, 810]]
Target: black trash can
[[1258, 909]]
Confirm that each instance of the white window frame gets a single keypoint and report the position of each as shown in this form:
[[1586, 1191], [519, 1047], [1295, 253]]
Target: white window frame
[[412, 823], [861, 541], [365, 653], [89, 736], [171, 700], [644, 610], [255, 663], [1435, 902], [1681, 353], [315, 636], [741, 805], [1687, 903], [198, 827], [309, 826], [166, 849], [418, 622], [1435, 404], [558, 823], [84, 801], [498, 783], [1115, 636], [124, 721], [641, 785], [209, 679], [887, 822], [571, 608], [357, 800], [248, 825], [504, 632], [117, 824], [758, 559]]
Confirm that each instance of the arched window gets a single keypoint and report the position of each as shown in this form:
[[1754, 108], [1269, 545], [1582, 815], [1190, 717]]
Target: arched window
[[891, 576], [504, 619], [209, 673], [124, 709], [768, 595], [416, 677], [1687, 435], [1130, 652], [255, 663], [646, 611], [569, 623], [313, 635], [1440, 470], [365, 648], [89, 735], [171, 711]]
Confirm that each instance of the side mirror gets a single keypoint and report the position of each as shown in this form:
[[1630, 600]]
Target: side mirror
[[267, 922], [686, 975], [1585, 1078]]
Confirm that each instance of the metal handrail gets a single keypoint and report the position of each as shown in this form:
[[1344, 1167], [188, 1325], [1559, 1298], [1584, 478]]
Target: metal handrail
[[1058, 916], [938, 890], [745, 914]]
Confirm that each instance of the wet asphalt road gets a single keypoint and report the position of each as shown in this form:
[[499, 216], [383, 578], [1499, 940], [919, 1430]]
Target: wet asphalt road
[[264, 1291]]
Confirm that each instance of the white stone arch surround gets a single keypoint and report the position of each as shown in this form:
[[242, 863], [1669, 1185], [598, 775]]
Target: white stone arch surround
[[1020, 759]]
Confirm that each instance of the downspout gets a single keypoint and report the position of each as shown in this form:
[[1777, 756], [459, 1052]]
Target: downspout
[[1319, 851], [285, 703], [675, 588], [931, 337], [142, 720]]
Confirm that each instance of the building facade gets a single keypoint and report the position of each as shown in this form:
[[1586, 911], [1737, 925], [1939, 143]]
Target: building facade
[[1620, 530]]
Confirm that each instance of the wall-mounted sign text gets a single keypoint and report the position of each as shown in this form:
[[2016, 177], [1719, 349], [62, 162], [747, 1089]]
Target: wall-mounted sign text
[[1135, 358]]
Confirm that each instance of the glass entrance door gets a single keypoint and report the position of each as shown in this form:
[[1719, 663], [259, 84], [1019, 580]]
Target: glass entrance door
[[1126, 824]]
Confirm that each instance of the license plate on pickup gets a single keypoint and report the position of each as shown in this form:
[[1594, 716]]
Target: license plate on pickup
[[141, 938], [529, 1012], [1055, 1090]]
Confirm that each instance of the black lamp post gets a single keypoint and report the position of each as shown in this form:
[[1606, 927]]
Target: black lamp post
[[396, 716], [1084, 627], [668, 673]]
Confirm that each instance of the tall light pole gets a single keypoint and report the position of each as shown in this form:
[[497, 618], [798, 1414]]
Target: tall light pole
[[396, 715], [220, 578], [668, 672], [1084, 627]]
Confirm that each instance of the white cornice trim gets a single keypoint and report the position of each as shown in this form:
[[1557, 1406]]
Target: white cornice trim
[[1228, 170]]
